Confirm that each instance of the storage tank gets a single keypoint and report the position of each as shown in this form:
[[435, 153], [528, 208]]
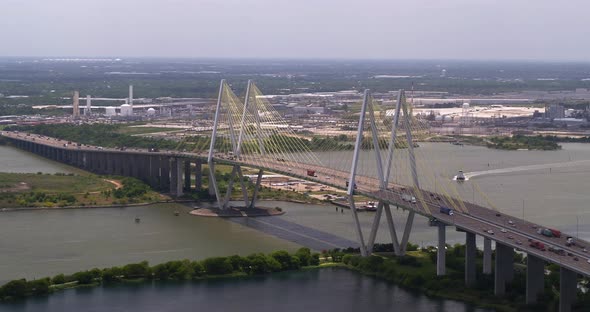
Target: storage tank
[[151, 111], [111, 111], [126, 110]]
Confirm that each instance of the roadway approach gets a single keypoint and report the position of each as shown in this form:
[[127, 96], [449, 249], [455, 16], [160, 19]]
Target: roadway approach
[[171, 170]]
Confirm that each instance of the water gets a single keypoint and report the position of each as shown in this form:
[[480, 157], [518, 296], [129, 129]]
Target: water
[[36, 244], [315, 290], [15, 160]]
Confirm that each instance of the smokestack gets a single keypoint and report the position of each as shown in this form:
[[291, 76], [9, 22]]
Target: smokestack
[[131, 95], [88, 104], [76, 105]]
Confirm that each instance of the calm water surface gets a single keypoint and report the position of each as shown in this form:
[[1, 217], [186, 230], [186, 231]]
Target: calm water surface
[[316, 290], [15, 160]]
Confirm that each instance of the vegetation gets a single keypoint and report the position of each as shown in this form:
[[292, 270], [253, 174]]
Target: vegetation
[[216, 267], [61, 190], [523, 142], [415, 271]]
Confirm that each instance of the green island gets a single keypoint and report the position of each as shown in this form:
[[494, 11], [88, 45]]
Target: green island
[[414, 271], [517, 142], [72, 189]]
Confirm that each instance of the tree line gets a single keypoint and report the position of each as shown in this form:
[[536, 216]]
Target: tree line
[[181, 270]]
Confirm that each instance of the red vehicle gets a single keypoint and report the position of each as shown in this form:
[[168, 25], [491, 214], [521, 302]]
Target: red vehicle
[[538, 245], [556, 233], [311, 173]]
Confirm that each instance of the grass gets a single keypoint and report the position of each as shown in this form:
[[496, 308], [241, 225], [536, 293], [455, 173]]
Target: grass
[[87, 189], [56, 183]]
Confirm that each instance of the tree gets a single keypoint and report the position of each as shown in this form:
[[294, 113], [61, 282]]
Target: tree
[[136, 270], [218, 265], [304, 255], [40, 286], [15, 289], [84, 277]]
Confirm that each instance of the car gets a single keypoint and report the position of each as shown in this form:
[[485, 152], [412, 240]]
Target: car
[[570, 254], [503, 230], [498, 214], [534, 227], [576, 259], [485, 230], [510, 222], [588, 260], [518, 242], [491, 232], [584, 250], [510, 237]]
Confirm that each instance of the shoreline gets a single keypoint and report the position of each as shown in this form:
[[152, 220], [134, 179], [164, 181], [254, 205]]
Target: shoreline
[[178, 201]]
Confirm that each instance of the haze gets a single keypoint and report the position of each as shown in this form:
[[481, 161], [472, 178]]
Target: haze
[[371, 29]]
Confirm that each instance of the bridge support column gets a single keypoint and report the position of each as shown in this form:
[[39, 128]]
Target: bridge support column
[[134, 164], [568, 286], [125, 168], [470, 256], [487, 256], [164, 173], [187, 175], [441, 252], [535, 274], [176, 177], [504, 268], [154, 171], [198, 175], [110, 160]]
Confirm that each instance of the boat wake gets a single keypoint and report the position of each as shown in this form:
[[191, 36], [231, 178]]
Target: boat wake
[[473, 174]]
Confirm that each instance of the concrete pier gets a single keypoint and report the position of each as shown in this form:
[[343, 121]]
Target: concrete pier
[[504, 268], [568, 286], [535, 274], [441, 252], [164, 173], [470, 256], [176, 177], [487, 256], [187, 175]]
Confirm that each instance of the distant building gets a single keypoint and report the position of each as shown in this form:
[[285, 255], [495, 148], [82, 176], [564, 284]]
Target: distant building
[[555, 111]]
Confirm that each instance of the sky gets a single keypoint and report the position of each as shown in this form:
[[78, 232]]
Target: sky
[[328, 29]]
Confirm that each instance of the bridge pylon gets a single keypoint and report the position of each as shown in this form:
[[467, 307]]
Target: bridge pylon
[[367, 114], [236, 122]]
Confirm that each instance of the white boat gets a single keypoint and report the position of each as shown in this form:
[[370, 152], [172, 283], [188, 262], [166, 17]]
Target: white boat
[[460, 176], [370, 206]]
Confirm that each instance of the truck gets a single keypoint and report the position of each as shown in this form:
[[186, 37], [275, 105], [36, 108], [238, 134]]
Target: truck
[[555, 233], [545, 232], [549, 232], [409, 198], [446, 210], [538, 245], [570, 241], [311, 173]]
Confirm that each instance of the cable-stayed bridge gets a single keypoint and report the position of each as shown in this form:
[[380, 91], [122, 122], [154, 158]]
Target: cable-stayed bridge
[[381, 162]]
